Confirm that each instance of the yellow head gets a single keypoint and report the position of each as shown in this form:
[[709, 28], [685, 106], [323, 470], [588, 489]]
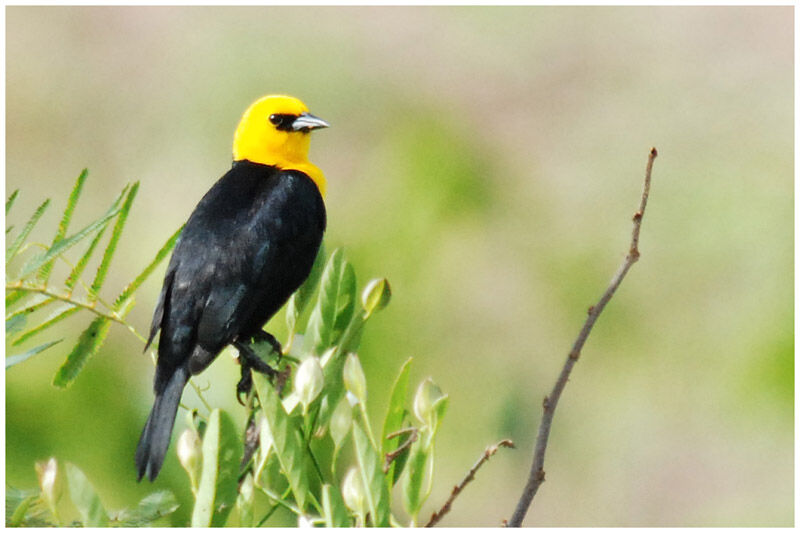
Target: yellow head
[[275, 131]]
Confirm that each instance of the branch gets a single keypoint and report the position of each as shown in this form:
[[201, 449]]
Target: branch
[[536, 476], [490, 451]]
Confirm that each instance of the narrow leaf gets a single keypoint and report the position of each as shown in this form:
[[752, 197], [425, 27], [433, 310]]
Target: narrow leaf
[[216, 494], [245, 501], [151, 508], [85, 498], [64, 244], [102, 270], [44, 272], [335, 513], [18, 502], [13, 296], [416, 468], [11, 200], [16, 359], [57, 317], [162, 253], [18, 516], [394, 417], [286, 439], [39, 302], [335, 304], [15, 322], [12, 250], [80, 266], [88, 344], [302, 296], [374, 482]]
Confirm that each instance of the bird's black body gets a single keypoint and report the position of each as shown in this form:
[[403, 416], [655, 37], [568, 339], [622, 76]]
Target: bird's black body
[[248, 245]]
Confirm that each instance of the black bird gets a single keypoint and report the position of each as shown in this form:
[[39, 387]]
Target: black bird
[[248, 245]]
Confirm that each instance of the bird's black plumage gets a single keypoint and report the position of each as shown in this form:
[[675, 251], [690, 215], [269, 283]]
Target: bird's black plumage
[[248, 245]]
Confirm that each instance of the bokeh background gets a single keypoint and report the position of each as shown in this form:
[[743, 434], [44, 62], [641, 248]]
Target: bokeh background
[[487, 161]]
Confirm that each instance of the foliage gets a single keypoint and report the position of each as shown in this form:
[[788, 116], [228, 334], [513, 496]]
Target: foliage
[[35, 304], [298, 425]]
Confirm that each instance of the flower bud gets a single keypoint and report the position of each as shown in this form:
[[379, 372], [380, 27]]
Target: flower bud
[[354, 380], [47, 473], [190, 454], [428, 395], [341, 419], [308, 381], [304, 522], [376, 295], [353, 491]]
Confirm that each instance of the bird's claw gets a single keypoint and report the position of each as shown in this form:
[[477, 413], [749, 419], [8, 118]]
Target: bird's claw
[[245, 384]]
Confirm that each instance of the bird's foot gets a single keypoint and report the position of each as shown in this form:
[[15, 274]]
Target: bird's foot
[[248, 359], [263, 336]]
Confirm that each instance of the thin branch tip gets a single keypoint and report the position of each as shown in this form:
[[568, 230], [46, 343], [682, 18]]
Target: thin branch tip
[[487, 453], [536, 474]]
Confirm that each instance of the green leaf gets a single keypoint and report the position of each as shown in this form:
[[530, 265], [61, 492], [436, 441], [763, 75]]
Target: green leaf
[[64, 244], [245, 501], [11, 200], [134, 285], [12, 250], [334, 511], [335, 305], [102, 270], [151, 508], [16, 359], [416, 469], [286, 439], [216, 494], [88, 344], [44, 272], [41, 301], [16, 322], [301, 297], [80, 266], [85, 498], [394, 419], [57, 317], [18, 502], [374, 482]]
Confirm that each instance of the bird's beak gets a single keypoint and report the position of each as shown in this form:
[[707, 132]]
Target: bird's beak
[[308, 122]]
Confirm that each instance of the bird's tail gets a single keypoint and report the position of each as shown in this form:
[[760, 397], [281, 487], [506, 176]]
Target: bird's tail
[[155, 437]]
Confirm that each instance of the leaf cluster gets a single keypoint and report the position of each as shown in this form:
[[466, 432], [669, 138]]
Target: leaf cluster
[[304, 424], [45, 506], [35, 303]]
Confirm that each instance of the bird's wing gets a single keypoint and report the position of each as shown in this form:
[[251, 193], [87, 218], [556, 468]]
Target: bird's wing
[[249, 244]]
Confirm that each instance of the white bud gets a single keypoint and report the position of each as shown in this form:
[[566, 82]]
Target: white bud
[[341, 419], [190, 454], [308, 381], [47, 473], [376, 295], [353, 491], [428, 394], [354, 380], [304, 522]]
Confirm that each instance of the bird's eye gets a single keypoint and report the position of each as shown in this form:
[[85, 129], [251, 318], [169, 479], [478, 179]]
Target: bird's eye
[[275, 119]]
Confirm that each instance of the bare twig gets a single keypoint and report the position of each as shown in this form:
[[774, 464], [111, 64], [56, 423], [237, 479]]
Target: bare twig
[[490, 451], [536, 476], [394, 454]]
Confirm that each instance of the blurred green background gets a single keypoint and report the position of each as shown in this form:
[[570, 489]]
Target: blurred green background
[[487, 161]]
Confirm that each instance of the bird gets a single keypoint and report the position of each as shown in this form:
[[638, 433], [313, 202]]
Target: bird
[[248, 245]]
